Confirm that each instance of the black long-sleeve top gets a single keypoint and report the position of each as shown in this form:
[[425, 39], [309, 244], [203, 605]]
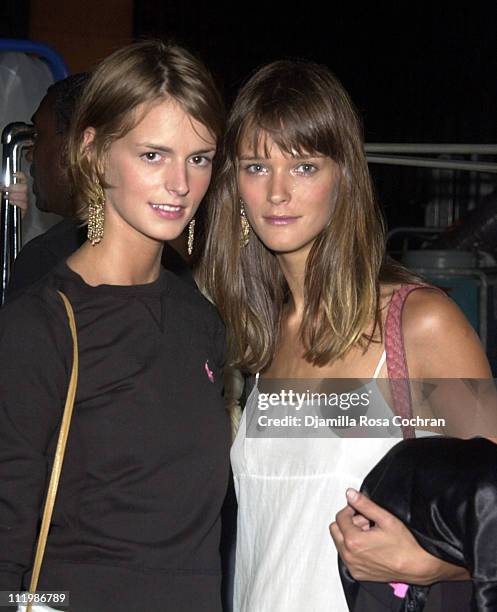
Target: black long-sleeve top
[[136, 522], [40, 256]]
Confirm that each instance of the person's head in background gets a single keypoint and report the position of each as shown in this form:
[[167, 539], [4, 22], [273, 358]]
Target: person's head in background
[[52, 119]]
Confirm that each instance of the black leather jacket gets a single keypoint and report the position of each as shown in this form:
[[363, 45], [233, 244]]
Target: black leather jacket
[[445, 492]]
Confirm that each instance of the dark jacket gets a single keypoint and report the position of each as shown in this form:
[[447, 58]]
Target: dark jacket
[[445, 492]]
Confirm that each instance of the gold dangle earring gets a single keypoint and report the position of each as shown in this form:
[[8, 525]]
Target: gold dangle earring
[[96, 215], [191, 236], [245, 226]]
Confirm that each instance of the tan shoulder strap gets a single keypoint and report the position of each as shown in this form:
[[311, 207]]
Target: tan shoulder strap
[[59, 454]]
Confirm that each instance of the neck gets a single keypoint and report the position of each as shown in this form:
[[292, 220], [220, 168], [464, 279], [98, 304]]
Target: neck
[[293, 267], [131, 259]]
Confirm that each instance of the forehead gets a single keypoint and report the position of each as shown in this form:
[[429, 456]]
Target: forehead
[[165, 119], [259, 143]]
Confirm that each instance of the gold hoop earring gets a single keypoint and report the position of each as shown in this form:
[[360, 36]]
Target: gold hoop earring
[[245, 226], [96, 215], [191, 236]]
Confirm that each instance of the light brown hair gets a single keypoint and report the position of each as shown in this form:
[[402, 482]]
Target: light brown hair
[[145, 72], [303, 108]]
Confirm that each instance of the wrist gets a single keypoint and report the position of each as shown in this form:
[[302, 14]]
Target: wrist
[[419, 568], [429, 569]]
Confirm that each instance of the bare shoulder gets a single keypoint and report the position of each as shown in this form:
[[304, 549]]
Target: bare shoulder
[[439, 340], [429, 311]]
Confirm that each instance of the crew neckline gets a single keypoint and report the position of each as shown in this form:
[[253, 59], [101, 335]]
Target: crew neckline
[[154, 287]]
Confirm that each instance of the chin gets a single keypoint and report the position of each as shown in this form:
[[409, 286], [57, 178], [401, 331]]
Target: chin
[[166, 236], [280, 246], [283, 250], [287, 248]]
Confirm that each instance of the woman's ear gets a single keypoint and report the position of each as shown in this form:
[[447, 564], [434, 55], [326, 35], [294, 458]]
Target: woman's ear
[[88, 137]]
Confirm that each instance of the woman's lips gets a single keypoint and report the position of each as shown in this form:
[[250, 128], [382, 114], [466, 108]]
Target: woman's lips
[[168, 211], [280, 220]]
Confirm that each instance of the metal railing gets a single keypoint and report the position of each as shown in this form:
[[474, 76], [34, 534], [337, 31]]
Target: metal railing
[[406, 154], [15, 137]]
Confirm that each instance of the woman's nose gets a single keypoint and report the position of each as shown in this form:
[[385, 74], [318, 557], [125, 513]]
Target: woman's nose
[[177, 179], [279, 189]]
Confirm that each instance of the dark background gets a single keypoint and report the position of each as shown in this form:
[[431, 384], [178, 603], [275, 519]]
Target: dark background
[[417, 71]]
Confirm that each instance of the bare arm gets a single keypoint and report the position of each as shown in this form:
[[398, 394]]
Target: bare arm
[[387, 552], [439, 341], [442, 348], [440, 344]]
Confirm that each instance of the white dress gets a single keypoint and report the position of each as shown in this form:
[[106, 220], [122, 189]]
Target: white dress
[[289, 491]]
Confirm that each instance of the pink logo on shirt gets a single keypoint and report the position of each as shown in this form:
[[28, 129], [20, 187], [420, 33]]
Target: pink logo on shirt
[[399, 589], [210, 373]]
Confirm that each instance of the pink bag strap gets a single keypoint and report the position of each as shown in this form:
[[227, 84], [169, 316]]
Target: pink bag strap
[[398, 373]]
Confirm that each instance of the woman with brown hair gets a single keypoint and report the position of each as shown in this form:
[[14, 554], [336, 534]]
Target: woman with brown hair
[[136, 524], [305, 291]]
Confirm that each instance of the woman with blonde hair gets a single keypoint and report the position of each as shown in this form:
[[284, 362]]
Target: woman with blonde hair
[[136, 524], [296, 264]]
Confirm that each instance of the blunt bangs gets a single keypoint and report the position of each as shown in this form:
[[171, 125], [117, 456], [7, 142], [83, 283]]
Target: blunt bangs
[[298, 109], [295, 133]]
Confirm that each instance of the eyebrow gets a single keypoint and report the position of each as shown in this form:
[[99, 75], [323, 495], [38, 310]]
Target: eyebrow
[[150, 145], [296, 158]]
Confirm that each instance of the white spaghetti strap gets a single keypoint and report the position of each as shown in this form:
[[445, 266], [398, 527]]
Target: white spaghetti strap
[[256, 381], [381, 363]]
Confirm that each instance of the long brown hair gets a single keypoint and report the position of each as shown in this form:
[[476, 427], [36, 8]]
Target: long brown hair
[[304, 109], [145, 72]]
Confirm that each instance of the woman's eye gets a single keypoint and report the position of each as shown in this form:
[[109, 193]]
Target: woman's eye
[[200, 160], [151, 156], [256, 169], [306, 169]]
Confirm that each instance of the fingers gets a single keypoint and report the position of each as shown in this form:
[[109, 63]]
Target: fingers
[[362, 522], [20, 177], [18, 199], [346, 546], [337, 536], [17, 193], [346, 521], [380, 552], [367, 508]]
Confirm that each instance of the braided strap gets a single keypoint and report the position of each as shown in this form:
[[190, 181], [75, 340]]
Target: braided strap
[[398, 373]]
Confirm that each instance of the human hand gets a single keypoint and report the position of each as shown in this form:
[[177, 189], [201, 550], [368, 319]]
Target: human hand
[[385, 551], [18, 192]]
